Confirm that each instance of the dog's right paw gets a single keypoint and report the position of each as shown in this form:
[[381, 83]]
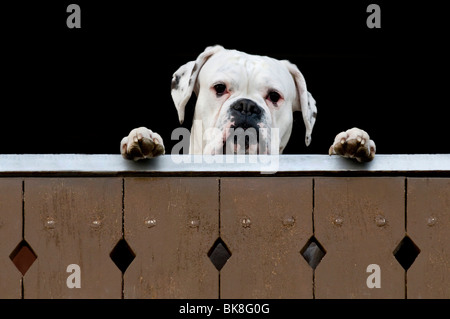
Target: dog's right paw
[[141, 143]]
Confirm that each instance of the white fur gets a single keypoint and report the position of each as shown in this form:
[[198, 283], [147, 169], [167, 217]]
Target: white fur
[[246, 76]]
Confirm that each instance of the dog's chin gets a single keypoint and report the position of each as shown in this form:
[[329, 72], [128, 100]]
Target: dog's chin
[[230, 148], [248, 145], [242, 140]]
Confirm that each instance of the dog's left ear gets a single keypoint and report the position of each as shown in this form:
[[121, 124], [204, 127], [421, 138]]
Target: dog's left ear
[[183, 80], [305, 102]]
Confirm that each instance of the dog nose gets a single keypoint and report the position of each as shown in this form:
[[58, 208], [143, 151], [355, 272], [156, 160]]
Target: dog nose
[[246, 107]]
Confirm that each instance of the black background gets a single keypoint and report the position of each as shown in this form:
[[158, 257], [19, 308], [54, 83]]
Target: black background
[[170, 308], [81, 90]]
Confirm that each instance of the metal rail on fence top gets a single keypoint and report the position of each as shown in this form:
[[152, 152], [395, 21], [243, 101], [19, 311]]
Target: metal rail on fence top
[[108, 165]]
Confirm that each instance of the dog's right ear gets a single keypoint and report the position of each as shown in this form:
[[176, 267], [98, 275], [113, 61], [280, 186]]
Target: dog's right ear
[[184, 79]]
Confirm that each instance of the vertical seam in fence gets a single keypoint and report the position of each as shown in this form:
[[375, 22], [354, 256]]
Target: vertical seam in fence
[[123, 232], [314, 234], [23, 233], [406, 204], [313, 204], [406, 231], [218, 213]]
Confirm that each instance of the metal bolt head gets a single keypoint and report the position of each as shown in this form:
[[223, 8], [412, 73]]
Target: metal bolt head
[[289, 221], [96, 224], [338, 221], [246, 222], [431, 221], [150, 222], [50, 223], [380, 221], [194, 223]]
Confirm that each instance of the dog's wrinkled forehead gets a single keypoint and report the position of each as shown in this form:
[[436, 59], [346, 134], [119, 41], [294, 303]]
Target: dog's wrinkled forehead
[[244, 71]]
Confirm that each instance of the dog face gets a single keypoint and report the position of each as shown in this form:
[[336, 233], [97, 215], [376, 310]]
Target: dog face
[[242, 95]]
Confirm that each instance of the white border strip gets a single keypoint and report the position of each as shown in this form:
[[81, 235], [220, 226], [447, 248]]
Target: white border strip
[[113, 164]]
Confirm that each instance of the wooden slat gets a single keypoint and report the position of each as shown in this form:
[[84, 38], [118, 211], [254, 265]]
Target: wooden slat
[[73, 221], [171, 223], [10, 236], [265, 222], [429, 228], [348, 219]]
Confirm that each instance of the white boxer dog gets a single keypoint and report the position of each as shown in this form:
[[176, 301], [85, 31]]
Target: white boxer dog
[[249, 94]]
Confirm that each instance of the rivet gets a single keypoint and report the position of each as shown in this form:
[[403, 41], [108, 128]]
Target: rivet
[[380, 221], [431, 221], [50, 223], [338, 221], [150, 222], [194, 223], [96, 224], [289, 221], [246, 222]]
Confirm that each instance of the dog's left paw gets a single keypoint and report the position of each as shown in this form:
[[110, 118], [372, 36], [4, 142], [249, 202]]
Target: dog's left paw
[[354, 143]]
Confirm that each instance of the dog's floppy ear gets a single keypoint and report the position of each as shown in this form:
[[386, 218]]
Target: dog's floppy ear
[[183, 80], [305, 103]]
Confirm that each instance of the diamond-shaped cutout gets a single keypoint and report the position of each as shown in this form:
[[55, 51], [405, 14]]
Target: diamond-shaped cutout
[[313, 252], [406, 252], [23, 257], [219, 254], [122, 255]]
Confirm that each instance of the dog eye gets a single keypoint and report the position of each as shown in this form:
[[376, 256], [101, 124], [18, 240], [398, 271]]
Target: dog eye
[[273, 96], [220, 89]]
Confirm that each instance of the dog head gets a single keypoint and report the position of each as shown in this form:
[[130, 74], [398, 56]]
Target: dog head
[[245, 94]]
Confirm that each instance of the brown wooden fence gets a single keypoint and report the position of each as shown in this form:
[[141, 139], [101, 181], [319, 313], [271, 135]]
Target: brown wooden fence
[[164, 229]]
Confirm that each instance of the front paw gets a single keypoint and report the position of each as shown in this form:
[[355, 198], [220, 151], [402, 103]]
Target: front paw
[[141, 143], [354, 143]]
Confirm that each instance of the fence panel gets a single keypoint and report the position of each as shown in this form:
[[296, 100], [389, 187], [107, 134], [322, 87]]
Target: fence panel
[[158, 229], [265, 222], [73, 221], [170, 224], [429, 228], [359, 222], [10, 236]]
